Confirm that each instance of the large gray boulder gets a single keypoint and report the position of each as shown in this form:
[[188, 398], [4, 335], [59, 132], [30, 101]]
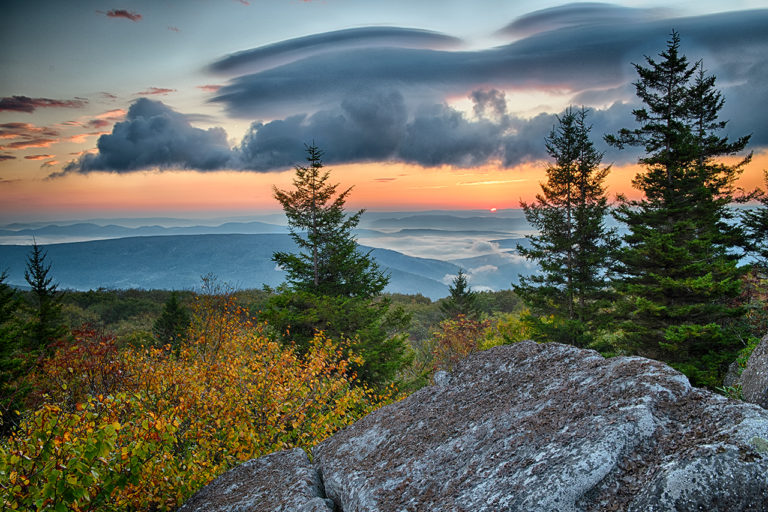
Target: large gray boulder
[[754, 378], [282, 481], [532, 427]]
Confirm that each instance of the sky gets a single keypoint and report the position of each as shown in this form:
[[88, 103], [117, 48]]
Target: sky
[[199, 107]]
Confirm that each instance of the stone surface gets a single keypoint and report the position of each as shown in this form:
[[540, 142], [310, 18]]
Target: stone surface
[[528, 428], [283, 481], [754, 378]]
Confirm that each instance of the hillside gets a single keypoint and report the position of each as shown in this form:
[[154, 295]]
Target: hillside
[[178, 261]]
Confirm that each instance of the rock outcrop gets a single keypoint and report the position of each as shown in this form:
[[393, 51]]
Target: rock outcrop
[[526, 427], [282, 481], [754, 378]]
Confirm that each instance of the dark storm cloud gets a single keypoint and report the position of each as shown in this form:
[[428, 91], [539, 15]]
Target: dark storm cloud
[[153, 135], [375, 126], [366, 127], [264, 57], [27, 104]]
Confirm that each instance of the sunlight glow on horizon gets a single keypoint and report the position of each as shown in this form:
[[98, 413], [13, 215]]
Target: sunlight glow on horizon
[[376, 186]]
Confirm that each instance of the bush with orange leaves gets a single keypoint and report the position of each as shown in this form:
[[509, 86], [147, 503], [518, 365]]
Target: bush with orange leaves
[[180, 420], [455, 339]]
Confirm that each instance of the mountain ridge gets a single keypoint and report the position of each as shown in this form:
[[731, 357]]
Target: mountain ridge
[[178, 262]]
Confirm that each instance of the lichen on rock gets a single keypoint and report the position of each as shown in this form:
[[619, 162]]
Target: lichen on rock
[[541, 427]]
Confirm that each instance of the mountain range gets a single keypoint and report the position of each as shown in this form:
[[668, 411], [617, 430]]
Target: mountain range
[[179, 261], [421, 252]]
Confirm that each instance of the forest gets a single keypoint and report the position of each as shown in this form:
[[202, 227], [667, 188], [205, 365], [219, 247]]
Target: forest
[[135, 399]]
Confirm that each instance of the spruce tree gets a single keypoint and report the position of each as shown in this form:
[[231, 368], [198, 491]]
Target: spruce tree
[[329, 261], [462, 300], [678, 274], [172, 324], [12, 363], [47, 324], [333, 286], [573, 246], [755, 221]]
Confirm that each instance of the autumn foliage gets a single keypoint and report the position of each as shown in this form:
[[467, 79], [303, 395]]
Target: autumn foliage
[[456, 338], [143, 429]]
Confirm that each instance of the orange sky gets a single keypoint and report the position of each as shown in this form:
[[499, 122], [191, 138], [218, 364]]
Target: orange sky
[[378, 186]]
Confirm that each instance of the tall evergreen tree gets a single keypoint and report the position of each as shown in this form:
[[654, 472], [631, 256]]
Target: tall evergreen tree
[[329, 261], [12, 364], [334, 287], [462, 300], [573, 246], [172, 324], [678, 273], [755, 222], [47, 324]]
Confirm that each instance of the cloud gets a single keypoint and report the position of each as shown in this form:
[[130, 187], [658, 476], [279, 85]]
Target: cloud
[[98, 123], [370, 126], [27, 136], [271, 55], [122, 13], [375, 103], [38, 157], [174, 29], [209, 87], [584, 50], [82, 137], [153, 135], [112, 115], [488, 182], [27, 104], [578, 14], [375, 126], [29, 143], [6, 156], [484, 268], [156, 90], [25, 130]]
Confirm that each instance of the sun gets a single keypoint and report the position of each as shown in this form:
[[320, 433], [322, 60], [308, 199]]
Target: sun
[[493, 210]]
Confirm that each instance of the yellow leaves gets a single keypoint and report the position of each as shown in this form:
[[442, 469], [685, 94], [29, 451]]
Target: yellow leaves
[[188, 417]]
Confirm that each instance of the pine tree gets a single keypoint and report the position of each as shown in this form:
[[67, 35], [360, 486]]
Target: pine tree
[[12, 364], [755, 222], [329, 261], [679, 278], [47, 323], [333, 286], [172, 324], [573, 246], [462, 300]]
